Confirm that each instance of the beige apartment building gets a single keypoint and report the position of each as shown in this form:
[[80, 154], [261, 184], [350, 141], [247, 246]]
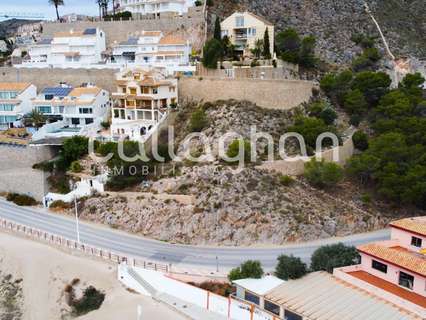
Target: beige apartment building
[[244, 29]]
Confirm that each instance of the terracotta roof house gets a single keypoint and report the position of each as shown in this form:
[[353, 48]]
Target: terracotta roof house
[[141, 103], [15, 102], [394, 269]]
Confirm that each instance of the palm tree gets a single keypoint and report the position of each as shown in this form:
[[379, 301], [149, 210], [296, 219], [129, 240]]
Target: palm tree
[[113, 8], [57, 3], [35, 118], [100, 2]]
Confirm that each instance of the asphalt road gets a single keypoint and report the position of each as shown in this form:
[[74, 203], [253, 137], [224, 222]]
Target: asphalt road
[[184, 255]]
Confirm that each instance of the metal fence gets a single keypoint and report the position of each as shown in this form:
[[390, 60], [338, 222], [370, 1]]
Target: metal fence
[[62, 242]]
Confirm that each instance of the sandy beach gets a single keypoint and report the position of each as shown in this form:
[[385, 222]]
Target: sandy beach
[[45, 271]]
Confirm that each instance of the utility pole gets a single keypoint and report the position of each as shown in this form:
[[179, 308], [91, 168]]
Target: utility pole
[[76, 219]]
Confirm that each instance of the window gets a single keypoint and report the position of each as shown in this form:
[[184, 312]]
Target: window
[[288, 315], [44, 109], [251, 297], [272, 307], [132, 91], [406, 280], [8, 95], [6, 107], [251, 31], [416, 242], [75, 121], [7, 119], [379, 266], [89, 120], [86, 110], [154, 90], [239, 21]]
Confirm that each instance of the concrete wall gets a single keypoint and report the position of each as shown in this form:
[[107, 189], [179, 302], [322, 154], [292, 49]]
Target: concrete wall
[[286, 71], [16, 173], [272, 94], [296, 165], [120, 30], [104, 78]]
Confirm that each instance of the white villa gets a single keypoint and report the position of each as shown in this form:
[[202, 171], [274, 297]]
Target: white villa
[[72, 111], [155, 7], [244, 29], [154, 49], [68, 49], [141, 103], [15, 101]]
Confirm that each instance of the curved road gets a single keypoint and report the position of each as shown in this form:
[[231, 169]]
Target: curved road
[[194, 256]]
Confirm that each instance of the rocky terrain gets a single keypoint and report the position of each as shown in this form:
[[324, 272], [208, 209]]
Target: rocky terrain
[[215, 203], [11, 297], [233, 207], [334, 22], [9, 27]]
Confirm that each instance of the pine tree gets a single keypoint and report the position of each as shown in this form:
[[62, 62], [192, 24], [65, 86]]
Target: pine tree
[[266, 45], [217, 31]]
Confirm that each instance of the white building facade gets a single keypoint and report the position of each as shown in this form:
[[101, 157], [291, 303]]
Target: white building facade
[[154, 49], [141, 103], [155, 7], [72, 111], [68, 49], [15, 102]]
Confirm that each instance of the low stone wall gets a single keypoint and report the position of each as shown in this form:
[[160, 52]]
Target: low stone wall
[[44, 77], [16, 173], [272, 94], [296, 166]]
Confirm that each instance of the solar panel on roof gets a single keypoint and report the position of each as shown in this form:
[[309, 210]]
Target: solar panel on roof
[[90, 31], [57, 91], [45, 41]]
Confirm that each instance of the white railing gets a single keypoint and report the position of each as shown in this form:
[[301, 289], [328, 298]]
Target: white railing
[[60, 241]]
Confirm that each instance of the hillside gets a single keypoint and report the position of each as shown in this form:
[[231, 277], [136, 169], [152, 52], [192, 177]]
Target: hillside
[[9, 27], [334, 22]]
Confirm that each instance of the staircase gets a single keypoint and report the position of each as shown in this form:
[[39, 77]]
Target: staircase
[[150, 289]]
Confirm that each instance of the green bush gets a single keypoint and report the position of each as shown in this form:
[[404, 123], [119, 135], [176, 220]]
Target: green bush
[[355, 120], [328, 257], [323, 174], [248, 269], [46, 166], [76, 167], [212, 53], [234, 150], [286, 180], [310, 128], [91, 300], [105, 125], [59, 204], [21, 199], [290, 267], [198, 120], [328, 115], [360, 140]]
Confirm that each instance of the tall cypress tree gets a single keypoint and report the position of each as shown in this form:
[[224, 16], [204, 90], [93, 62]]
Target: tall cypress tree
[[266, 45], [217, 31]]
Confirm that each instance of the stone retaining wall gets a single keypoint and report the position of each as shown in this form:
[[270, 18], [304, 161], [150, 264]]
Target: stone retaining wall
[[296, 166], [16, 173], [272, 94]]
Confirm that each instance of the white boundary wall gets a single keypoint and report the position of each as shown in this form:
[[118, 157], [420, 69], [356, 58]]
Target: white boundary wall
[[228, 307]]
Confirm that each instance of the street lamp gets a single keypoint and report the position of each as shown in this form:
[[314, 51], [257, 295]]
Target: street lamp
[[76, 218]]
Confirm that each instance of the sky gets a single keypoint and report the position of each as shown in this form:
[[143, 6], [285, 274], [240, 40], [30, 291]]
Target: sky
[[87, 7]]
